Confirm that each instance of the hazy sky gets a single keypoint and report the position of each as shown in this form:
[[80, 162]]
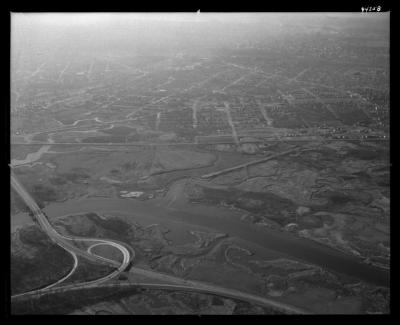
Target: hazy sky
[[97, 18], [162, 31]]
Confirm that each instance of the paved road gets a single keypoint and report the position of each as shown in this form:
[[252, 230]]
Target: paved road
[[179, 283], [65, 242], [182, 285], [67, 276], [230, 122], [127, 144], [253, 162], [61, 240]]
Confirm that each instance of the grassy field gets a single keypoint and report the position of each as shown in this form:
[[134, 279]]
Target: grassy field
[[108, 251], [35, 260], [88, 271]]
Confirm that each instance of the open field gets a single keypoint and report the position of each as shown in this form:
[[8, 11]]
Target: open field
[[32, 250], [87, 271], [107, 251]]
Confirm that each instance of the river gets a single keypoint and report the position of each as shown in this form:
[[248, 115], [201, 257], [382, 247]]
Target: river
[[228, 221]]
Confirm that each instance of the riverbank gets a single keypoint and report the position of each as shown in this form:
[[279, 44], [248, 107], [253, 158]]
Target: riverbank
[[228, 221]]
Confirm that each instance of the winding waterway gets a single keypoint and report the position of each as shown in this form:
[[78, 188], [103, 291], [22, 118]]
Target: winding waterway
[[225, 221]]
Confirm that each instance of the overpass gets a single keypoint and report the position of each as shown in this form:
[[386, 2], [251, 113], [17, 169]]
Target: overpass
[[173, 283], [67, 242]]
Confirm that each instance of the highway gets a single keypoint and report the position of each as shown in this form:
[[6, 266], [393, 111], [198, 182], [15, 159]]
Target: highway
[[260, 141], [192, 285], [253, 162], [232, 142], [68, 275], [178, 283], [197, 287], [67, 242], [175, 283]]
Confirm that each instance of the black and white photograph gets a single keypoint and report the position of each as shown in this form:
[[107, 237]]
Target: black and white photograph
[[200, 163]]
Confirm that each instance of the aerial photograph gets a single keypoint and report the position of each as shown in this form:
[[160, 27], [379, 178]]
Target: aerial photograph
[[199, 163]]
